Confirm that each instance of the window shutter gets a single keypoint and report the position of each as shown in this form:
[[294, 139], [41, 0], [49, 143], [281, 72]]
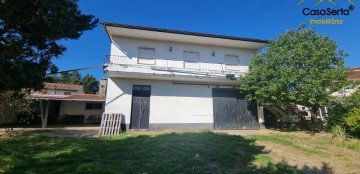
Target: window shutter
[[191, 56], [191, 60], [146, 55], [231, 60]]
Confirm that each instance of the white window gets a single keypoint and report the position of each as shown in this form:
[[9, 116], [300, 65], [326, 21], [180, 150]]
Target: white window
[[191, 60], [146, 55], [232, 62], [191, 56]]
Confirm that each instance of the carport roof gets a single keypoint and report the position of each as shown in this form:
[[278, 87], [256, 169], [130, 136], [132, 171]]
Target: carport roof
[[76, 97]]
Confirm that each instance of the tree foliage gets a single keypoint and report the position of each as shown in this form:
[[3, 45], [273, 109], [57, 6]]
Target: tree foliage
[[14, 103], [298, 67], [74, 78], [91, 85], [30, 32], [346, 113]]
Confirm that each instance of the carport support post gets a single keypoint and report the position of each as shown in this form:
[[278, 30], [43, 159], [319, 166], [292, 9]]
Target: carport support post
[[260, 111], [44, 116]]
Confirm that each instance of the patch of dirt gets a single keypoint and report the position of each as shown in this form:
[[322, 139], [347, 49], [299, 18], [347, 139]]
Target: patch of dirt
[[245, 132]]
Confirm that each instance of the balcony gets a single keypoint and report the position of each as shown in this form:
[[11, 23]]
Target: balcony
[[175, 69], [166, 64]]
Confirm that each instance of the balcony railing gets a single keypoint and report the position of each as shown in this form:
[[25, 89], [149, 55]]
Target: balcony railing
[[174, 64]]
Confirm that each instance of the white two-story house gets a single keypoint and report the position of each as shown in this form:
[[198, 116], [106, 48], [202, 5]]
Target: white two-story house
[[171, 79]]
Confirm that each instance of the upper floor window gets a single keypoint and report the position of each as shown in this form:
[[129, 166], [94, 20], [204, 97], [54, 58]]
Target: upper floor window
[[191, 60], [67, 93], [232, 62], [146, 55], [190, 56]]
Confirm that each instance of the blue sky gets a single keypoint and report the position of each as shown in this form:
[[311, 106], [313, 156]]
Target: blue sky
[[246, 18]]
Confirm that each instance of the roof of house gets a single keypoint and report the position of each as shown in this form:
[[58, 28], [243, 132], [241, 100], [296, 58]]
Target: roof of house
[[113, 24], [86, 97], [76, 97], [355, 75], [62, 86]]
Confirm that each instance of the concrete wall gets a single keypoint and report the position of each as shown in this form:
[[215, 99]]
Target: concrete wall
[[59, 92], [78, 108], [102, 86], [129, 47], [169, 103]]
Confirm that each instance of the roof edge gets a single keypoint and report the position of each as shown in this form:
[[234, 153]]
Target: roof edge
[[113, 24]]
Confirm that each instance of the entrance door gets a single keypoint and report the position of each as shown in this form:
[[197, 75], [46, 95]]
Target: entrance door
[[140, 107], [232, 111]]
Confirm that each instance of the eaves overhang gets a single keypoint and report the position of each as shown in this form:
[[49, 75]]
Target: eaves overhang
[[133, 31]]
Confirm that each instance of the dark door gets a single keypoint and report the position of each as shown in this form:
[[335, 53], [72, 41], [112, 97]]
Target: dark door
[[232, 111], [140, 107]]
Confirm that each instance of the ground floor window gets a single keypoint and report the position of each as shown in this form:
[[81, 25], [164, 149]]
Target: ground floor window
[[93, 106]]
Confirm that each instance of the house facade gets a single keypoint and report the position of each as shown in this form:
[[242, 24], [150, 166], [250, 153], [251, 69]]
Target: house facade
[[68, 104], [349, 90], [171, 79]]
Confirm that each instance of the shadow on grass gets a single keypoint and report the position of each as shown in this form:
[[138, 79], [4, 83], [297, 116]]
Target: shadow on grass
[[202, 152]]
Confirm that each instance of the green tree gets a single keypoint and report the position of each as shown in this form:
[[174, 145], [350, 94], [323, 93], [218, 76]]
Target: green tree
[[30, 32], [89, 82], [64, 78], [52, 78], [75, 78], [14, 103], [298, 67], [91, 85]]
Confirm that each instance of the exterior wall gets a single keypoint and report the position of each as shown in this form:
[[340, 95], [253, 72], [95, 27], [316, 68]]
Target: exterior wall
[[171, 105], [102, 86], [59, 92], [345, 92], [78, 108], [129, 47]]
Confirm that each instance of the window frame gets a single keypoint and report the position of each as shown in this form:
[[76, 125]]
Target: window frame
[[233, 56], [147, 60], [198, 56], [93, 106]]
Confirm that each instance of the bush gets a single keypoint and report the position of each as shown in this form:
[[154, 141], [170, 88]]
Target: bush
[[346, 114], [13, 103], [339, 132], [353, 122]]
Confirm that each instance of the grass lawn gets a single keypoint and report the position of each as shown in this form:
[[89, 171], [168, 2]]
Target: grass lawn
[[180, 152]]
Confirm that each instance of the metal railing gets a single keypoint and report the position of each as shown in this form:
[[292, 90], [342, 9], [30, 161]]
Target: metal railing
[[174, 64]]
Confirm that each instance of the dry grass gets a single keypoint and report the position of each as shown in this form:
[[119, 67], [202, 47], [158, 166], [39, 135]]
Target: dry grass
[[321, 151]]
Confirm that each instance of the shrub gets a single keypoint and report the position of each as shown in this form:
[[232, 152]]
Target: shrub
[[353, 122], [13, 103], [346, 114], [339, 132]]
